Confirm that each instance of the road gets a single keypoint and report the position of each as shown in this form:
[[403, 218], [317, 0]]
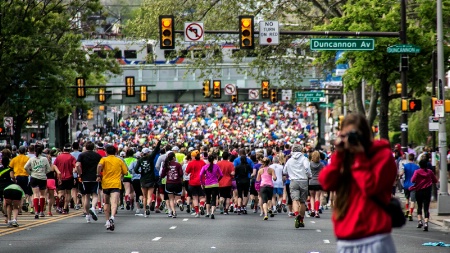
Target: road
[[158, 233]]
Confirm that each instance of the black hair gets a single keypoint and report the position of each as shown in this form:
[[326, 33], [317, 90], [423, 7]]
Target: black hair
[[423, 164], [169, 158], [89, 145], [225, 155], [110, 150], [129, 152], [39, 148], [243, 159], [211, 162]]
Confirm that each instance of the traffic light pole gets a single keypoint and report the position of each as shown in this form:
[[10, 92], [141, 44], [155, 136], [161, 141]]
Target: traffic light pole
[[403, 73], [443, 198]]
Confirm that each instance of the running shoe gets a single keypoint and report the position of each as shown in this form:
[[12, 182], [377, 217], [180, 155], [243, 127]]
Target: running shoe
[[147, 211], [272, 215], [406, 213], [284, 208], [111, 222], [222, 212], [9, 224], [108, 225], [231, 208], [77, 207], [157, 210], [49, 214], [162, 205], [122, 207], [312, 213], [278, 209], [93, 214], [420, 224], [174, 215], [128, 205], [25, 207], [254, 210], [291, 214], [221, 208], [425, 226], [36, 216], [152, 206], [212, 217], [207, 215], [225, 212], [317, 215], [297, 221], [32, 210], [181, 207], [302, 224], [88, 219], [138, 211], [170, 215], [202, 210], [197, 215], [321, 209], [132, 206], [141, 205], [188, 208], [252, 204], [410, 218], [14, 223], [266, 217], [41, 214], [100, 210]]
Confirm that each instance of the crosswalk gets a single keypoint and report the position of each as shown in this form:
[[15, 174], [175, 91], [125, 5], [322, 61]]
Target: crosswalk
[[27, 221]]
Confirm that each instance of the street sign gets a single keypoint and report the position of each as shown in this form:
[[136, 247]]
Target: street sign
[[404, 127], [439, 108], [253, 94], [403, 49], [342, 44], [230, 89], [310, 99], [329, 105], [193, 32], [269, 33], [433, 124], [301, 94], [286, 95]]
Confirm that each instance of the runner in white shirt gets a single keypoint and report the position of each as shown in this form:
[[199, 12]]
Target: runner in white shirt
[[277, 185]]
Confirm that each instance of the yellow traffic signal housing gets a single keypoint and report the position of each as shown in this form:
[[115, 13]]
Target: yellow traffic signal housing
[[81, 87], [404, 105], [90, 114], [206, 88], [143, 97], [273, 96], [341, 118], [166, 32], [447, 105], [246, 32], [129, 86], [217, 89], [101, 95], [265, 89], [432, 102], [399, 88], [234, 98]]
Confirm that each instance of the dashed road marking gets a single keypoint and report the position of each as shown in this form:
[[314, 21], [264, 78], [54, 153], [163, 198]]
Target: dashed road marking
[[156, 239], [173, 227], [326, 241], [185, 219], [318, 230], [313, 222]]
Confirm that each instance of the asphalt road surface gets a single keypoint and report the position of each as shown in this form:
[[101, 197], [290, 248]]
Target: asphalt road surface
[[158, 233]]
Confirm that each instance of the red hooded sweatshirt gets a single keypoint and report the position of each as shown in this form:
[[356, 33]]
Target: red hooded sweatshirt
[[372, 176]]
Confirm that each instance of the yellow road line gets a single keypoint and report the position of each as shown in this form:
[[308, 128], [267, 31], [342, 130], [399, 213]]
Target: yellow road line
[[38, 223]]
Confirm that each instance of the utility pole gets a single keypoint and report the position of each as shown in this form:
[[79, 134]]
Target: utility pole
[[403, 72], [443, 198]]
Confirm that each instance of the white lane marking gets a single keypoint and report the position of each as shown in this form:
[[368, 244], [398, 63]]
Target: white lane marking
[[213, 247], [326, 241], [139, 214], [313, 222], [318, 230], [185, 219], [134, 251], [173, 227], [156, 238]]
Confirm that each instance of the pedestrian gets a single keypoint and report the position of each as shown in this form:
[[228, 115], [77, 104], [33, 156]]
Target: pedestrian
[[173, 172], [314, 187], [266, 175], [242, 171], [21, 176], [210, 176], [225, 182], [193, 168], [66, 164], [360, 170], [423, 179], [407, 171]]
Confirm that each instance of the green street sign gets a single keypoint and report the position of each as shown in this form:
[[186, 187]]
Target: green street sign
[[300, 94], [342, 44], [403, 49], [309, 99], [330, 105]]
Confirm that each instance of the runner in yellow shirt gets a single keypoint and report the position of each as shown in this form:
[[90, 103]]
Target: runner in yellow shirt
[[21, 175], [110, 170]]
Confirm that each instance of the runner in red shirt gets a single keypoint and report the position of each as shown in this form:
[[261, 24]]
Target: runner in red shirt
[[65, 163], [194, 168], [227, 169]]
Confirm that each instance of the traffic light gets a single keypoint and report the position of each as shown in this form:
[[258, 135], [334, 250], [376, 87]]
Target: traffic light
[[265, 89], [166, 32], [90, 114], [399, 88], [246, 35], [341, 118], [432, 102], [404, 105], [81, 87], [273, 96], [129, 86], [217, 89], [101, 95], [414, 105], [143, 97], [206, 88], [234, 98], [33, 135]]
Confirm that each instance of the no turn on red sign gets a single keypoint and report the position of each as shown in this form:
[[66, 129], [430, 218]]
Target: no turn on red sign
[[269, 33]]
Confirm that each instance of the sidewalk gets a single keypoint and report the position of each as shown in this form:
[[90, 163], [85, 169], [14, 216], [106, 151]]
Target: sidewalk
[[440, 220]]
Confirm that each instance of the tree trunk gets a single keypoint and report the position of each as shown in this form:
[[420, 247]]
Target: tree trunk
[[384, 108], [373, 105], [358, 99], [18, 124]]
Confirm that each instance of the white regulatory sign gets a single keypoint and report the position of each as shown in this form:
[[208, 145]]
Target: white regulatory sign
[[253, 94], [286, 95], [193, 32], [439, 108], [230, 89], [269, 33]]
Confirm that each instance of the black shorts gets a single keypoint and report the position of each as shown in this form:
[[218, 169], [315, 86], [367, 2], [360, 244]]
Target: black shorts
[[266, 193], [66, 185], [314, 187], [196, 190], [243, 189], [126, 180], [225, 192], [253, 190], [175, 189], [111, 190], [137, 188], [186, 187], [35, 183], [12, 194], [23, 182], [89, 188], [288, 194], [148, 184]]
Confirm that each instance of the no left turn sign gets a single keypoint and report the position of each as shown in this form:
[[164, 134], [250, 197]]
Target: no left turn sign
[[230, 89], [193, 32]]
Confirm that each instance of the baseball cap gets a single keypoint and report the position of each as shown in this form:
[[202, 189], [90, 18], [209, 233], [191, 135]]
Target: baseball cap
[[175, 148], [99, 145], [137, 155], [261, 145], [145, 150], [195, 153], [67, 146], [190, 149], [122, 153]]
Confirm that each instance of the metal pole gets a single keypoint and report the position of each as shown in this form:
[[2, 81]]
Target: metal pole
[[433, 133], [444, 198], [403, 72], [312, 33]]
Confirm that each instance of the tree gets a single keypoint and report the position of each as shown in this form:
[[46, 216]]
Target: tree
[[40, 57], [377, 68]]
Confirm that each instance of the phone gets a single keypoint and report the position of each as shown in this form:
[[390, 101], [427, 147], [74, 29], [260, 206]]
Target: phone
[[353, 138]]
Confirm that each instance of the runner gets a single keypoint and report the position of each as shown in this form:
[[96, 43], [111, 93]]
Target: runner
[[242, 174], [86, 167], [314, 186], [129, 191], [174, 173], [410, 196], [194, 168], [109, 172], [186, 177], [53, 179], [66, 163], [266, 175], [209, 178], [277, 185], [21, 176], [225, 182]]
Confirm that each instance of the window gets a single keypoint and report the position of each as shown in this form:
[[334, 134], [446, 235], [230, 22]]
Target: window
[[117, 53], [247, 53], [169, 54], [183, 54], [130, 54], [100, 53], [149, 48], [199, 54]]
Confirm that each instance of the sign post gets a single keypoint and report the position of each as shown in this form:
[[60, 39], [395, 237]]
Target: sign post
[[269, 33]]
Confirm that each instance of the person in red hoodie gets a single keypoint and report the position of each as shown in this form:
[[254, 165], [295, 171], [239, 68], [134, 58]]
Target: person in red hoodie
[[193, 168], [361, 169]]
